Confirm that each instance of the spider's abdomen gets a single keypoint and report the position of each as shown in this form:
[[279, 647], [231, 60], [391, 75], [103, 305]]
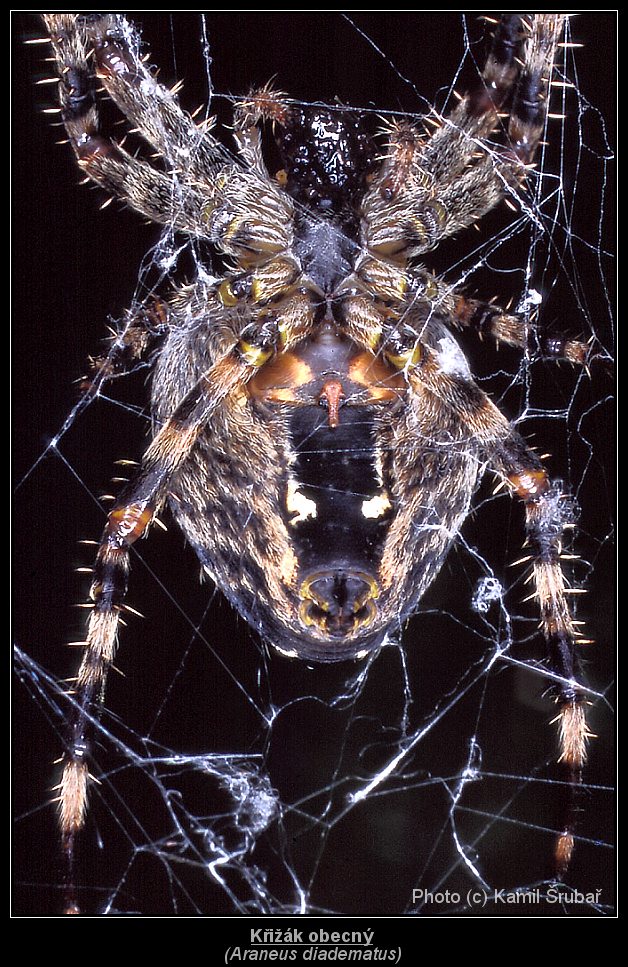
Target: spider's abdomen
[[334, 506], [328, 521]]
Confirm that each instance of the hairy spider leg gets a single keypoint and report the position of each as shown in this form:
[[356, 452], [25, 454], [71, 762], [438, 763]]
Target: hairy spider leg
[[128, 521], [431, 188], [514, 329], [204, 192], [74, 41], [549, 513]]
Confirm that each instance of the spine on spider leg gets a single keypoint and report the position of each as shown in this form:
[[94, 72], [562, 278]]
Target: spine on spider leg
[[549, 512], [124, 526]]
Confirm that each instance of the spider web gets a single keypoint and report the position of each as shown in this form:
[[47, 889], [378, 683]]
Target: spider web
[[232, 781]]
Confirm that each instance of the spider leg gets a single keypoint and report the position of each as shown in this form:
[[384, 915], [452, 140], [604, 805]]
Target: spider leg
[[142, 327], [128, 521], [150, 106], [498, 171], [520, 61], [203, 192], [127, 178], [436, 299], [549, 513], [514, 329], [430, 189]]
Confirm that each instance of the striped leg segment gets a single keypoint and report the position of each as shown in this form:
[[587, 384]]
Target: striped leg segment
[[513, 329], [549, 513], [77, 43], [127, 522], [429, 189]]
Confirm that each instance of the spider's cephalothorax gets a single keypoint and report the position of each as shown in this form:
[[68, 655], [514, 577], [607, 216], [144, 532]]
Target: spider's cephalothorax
[[318, 435], [327, 157]]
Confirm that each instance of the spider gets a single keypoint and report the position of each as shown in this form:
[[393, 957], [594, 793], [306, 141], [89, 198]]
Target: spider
[[318, 433]]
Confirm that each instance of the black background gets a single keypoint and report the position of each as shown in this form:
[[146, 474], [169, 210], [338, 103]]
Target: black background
[[73, 266]]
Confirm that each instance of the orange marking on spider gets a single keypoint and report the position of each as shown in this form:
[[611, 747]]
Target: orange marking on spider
[[130, 522], [331, 395], [529, 484]]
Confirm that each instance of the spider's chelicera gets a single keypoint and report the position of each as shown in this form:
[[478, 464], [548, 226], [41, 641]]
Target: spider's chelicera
[[318, 435]]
